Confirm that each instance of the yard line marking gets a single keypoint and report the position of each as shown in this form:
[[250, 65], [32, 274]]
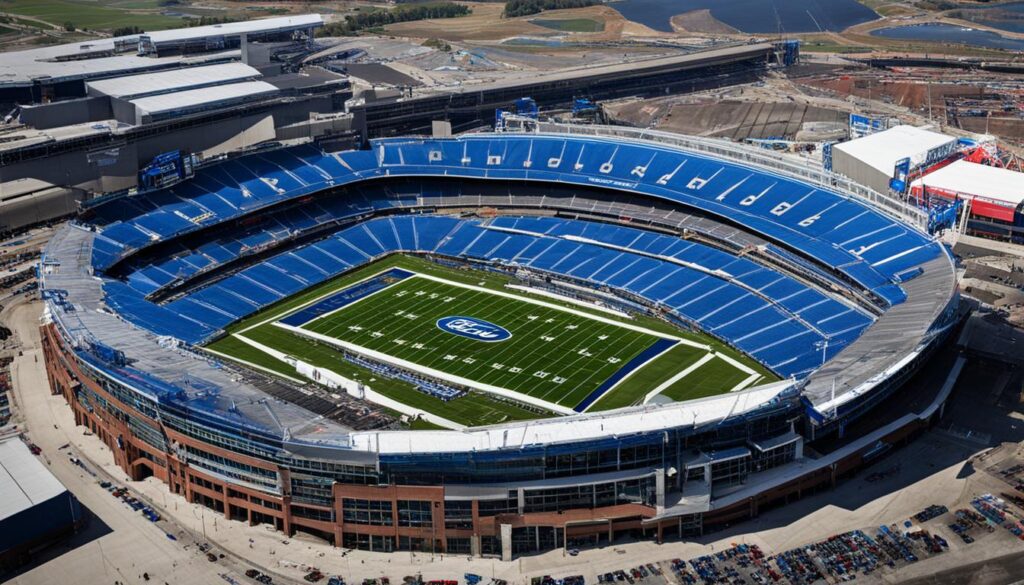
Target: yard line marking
[[746, 382], [736, 364], [668, 383], [401, 363], [567, 310], [565, 299], [628, 375], [315, 300]]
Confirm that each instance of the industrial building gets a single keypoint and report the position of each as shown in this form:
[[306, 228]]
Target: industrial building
[[872, 159], [994, 196], [87, 117], [36, 509], [474, 106], [227, 35], [148, 84]]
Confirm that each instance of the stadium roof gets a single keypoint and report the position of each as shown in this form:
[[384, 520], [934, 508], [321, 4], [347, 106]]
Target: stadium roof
[[174, 80], [184, 101], [573, 428], [235, 28], [24, 480], [882, 150], [972, 179], [82, 61]]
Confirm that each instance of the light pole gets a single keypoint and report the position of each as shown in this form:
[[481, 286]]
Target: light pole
[[823, 346]]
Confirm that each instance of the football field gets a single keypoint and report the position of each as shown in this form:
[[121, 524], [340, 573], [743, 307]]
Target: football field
[[490, 340], [516, 354]]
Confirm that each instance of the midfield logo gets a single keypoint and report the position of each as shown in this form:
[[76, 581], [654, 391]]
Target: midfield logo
[[473, 329]]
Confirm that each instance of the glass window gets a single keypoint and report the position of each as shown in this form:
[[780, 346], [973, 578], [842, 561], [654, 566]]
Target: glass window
[[458, 514], [370, 512], [414, 513]]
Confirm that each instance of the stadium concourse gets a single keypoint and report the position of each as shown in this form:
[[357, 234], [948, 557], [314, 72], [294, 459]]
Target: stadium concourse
[[615, 253]]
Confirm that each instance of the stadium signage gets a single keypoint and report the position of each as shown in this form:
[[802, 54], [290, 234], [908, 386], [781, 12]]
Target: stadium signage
[[473, 329]]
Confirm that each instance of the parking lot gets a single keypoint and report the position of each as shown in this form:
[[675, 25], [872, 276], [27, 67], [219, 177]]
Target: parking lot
[[870, 554]]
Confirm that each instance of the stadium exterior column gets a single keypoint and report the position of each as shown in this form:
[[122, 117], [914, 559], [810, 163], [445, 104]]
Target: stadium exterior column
[[339, 522], [187, 480], [659, 488], [225, 502], [437, 526], [474, 541], [286, 500], [506, 542]]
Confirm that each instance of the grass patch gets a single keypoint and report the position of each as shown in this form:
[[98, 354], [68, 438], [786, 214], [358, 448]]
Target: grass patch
[[710, 379], [89, 15], [633, 390]]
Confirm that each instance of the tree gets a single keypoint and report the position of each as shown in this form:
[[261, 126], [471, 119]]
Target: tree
[[514, 8]]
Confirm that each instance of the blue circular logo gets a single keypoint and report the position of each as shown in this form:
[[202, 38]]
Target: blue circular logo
[[471, 328]]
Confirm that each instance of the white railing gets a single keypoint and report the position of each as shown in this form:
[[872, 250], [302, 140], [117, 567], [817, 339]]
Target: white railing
[[777, 163]]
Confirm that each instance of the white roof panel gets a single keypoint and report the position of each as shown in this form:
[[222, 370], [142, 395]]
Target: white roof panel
[[182, 100], [235, 28], [883, 149], [967, 178], [625, 421], [24, 480], [176, 79]]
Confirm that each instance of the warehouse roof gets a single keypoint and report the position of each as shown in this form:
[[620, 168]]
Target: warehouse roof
[[967, 178], [195, 98], [235, 28], [882, 150], [174, 80], [24, 480], [65, 62]]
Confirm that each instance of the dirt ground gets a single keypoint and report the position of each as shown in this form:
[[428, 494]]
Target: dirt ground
[[701, 21], [486, 23]]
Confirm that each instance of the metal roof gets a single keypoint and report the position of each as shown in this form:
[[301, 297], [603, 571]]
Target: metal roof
[[24, 480], [183, 100], [972, 179], [72, 61], [134, 86], [884, 149], [235, 28]]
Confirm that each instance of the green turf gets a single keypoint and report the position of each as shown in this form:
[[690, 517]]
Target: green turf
[[473, 409], [714, 377], [90, 15], [476, 408], [633, 390], [552, 355]]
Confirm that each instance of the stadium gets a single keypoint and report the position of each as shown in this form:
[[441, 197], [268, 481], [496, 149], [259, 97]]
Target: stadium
[[496, 343]]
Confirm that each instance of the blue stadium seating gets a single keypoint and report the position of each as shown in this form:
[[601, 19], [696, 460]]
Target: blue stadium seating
[[702, 285], [842, 234], [777, 319]]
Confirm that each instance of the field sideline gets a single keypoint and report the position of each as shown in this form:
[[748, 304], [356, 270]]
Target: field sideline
[[366, 323]]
